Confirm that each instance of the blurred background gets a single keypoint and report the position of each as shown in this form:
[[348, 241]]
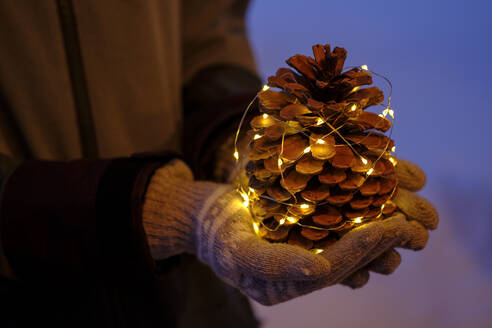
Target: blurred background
[[438, 57]]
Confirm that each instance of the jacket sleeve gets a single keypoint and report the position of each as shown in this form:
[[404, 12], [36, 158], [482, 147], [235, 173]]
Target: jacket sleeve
[[214, 33], [214, 102], [72, 219], [220, 77]]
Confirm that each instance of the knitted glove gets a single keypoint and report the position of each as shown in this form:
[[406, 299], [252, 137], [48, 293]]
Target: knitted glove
[[208, 220], [420, 216]]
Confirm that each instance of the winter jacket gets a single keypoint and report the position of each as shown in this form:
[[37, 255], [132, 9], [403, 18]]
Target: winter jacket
[[94, 96]]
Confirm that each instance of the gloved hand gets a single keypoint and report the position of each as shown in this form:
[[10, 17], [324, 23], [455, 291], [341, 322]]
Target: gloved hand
[[208, 220], [420, 216]]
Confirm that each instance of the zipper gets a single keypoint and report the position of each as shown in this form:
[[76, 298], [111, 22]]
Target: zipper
[[83, 108]]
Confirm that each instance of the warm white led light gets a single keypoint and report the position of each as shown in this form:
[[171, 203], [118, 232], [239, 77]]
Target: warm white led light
[[265, 115], [257, 136], [317, 250], [236, 155], [370, 171], [358, 220], [265, 88], [304, 206], [353, 108], [291, 219], [363, 160], [364, 67], [246, 199], [307, 150], [319, 121], [256, 228], [320, 141]]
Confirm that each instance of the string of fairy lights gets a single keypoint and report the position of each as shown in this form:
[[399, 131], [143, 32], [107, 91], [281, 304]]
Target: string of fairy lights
[[249, 194]]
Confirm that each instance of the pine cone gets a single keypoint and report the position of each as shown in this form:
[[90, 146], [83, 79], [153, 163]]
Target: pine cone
[[317, 165]]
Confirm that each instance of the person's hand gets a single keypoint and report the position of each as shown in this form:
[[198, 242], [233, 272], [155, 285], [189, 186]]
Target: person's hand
[[208, 220], [408, 230]]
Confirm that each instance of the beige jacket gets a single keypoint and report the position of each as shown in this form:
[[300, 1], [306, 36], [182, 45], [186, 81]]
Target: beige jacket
[[136, 54]]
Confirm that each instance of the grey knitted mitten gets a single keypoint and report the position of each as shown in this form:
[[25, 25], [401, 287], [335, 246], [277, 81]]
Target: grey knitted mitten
[[208, 220]]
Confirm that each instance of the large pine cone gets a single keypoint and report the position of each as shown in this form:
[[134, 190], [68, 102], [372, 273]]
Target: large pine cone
[[317, 165]]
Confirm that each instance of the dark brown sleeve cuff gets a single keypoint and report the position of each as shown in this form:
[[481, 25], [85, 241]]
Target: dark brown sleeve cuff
[[64, 220]]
